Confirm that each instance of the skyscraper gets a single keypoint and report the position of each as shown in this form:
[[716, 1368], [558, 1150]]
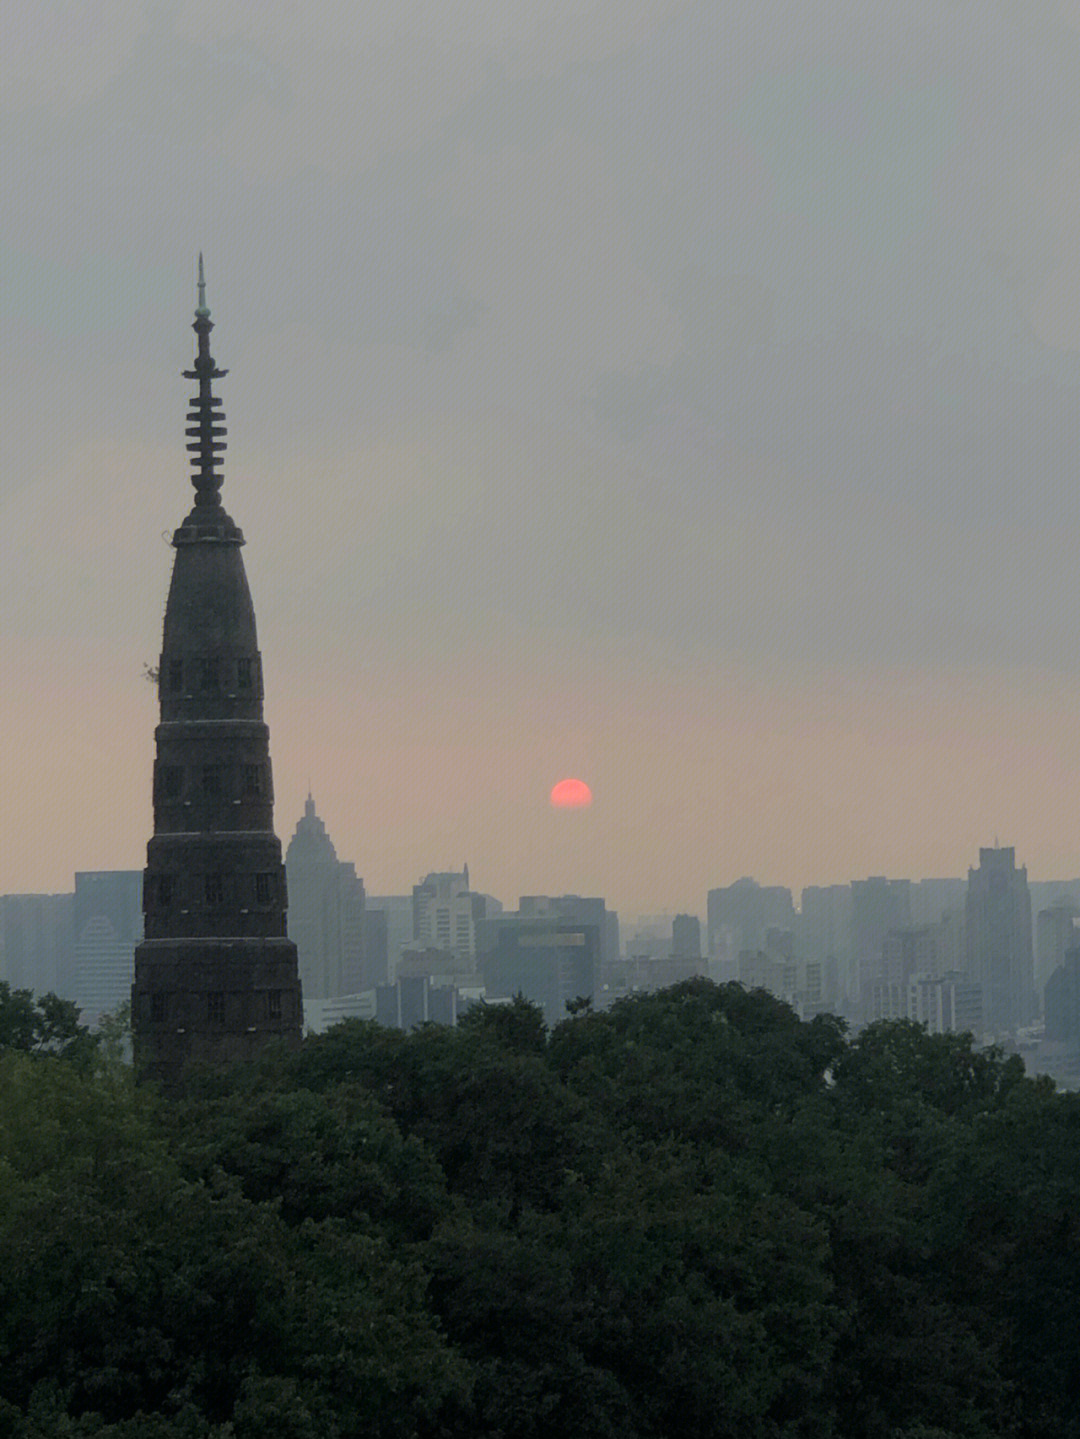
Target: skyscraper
[[108, 926], [37, 943], [446, 913], [878, 906], [997, 940], [1056, 934], [739, 915], [824, 932], [686, 936], [548, 960], [326, 913], [215, 976], [578, 909]]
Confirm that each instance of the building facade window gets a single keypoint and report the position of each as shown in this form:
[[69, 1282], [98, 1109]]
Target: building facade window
[[214, 889], [171, 781], [159, 1007], [175, 675], [264, 889], [164, 890], [244, 677], [215, 1007], [209, 675], [212, 779], [251, 780], [273, 1003]]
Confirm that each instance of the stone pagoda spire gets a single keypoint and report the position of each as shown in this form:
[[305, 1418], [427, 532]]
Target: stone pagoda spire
[[215, 976]]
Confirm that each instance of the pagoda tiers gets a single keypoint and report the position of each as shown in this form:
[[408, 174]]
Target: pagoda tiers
[[216, 978]]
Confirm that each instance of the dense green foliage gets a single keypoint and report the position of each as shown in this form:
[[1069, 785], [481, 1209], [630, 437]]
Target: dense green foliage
[[691, 1215]]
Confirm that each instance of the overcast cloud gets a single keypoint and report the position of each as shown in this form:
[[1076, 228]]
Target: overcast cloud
[[607, 380]]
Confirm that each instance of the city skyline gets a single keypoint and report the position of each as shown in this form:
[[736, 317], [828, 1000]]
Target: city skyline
[[678, 397]]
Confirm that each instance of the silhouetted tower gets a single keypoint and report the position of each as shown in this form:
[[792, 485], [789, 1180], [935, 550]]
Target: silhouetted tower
[[215, 976], [997, 939], [686, 936], [326, 912]]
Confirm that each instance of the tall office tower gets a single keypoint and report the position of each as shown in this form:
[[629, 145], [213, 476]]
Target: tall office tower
[[932, 898], [997, 940], [906, 955], [216, 975], [326, 913], [397, 915], [878, 905], [1045, 893], [108, 926], [578, 909], [906, 952], [739, 915], [376, 947], [951, 940], [949, 1004], [548, 960], [446, 914], [686, 936], [1056, 934], [824, 939], [1062, 1000], [37, 943]]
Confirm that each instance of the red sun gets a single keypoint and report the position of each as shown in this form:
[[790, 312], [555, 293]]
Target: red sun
[[571, 794]]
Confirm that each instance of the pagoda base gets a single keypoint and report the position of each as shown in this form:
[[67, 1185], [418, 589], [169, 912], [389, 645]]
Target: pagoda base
[[214, 1002]]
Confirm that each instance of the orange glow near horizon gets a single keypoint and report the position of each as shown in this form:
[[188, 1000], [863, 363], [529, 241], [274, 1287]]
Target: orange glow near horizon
[[571, 794]]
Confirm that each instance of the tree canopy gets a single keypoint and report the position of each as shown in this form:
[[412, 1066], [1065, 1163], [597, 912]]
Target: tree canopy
[[690, 1214]]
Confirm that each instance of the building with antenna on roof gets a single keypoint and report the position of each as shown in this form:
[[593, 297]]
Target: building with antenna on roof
[[326, 913], [216, 975], [446, 913]]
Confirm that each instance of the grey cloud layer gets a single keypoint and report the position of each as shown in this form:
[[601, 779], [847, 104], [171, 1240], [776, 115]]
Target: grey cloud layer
[[728, 309]]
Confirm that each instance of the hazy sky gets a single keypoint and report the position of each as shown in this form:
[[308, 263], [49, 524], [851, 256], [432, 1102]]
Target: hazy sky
[[683, 396]]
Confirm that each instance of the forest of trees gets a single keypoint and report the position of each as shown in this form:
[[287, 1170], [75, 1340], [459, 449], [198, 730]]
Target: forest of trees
[[691, 1215]]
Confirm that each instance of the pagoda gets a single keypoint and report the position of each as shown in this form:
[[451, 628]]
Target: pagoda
[[216, 978]]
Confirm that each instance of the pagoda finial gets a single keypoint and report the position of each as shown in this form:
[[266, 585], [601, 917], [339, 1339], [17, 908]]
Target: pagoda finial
[[206, 432]]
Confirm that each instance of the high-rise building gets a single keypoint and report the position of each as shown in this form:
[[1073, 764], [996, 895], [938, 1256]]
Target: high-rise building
[[108, 926], [548, 961], [1056, 934], [878, 905], [933, 898], [905, 952], [948, 1004], [905, 955], [216, 974], [1062, 1000], [395, 912], [739, 915], [447, 913], [326, 913], [824, 941], [578, 909], [686, 936], [766, 969], [37, 943], [997, 940], [1045, 893], [376, 947], [413, 1000]]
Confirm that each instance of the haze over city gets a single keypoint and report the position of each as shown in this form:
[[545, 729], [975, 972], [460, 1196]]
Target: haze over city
[[678, 396]]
